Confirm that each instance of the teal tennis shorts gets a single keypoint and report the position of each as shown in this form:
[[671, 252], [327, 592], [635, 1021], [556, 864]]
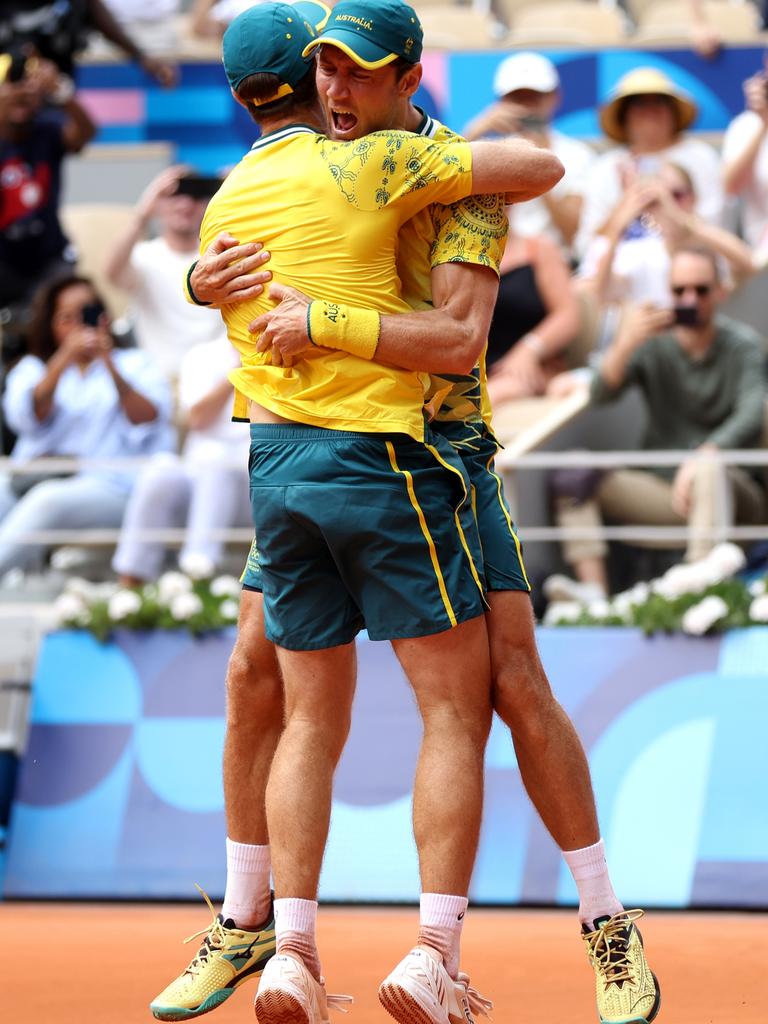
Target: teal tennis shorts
[[359, 530], [502, 550]]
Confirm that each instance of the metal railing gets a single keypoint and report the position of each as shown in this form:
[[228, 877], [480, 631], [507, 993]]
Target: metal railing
[[607, 460]]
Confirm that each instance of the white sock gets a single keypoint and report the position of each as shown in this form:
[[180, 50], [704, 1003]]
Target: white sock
[[247, 898], [440, 922], [590, 873], [295, 922]]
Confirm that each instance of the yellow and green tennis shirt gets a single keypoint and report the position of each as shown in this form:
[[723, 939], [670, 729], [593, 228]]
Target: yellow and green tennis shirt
[[330, 214], [473, 230]]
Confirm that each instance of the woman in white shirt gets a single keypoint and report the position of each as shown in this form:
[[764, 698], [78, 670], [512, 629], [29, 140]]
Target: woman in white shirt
[[745, 162], [647, 115], [76, 395]]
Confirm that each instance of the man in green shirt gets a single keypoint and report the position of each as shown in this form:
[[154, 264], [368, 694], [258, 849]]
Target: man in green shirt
[[703, 382]]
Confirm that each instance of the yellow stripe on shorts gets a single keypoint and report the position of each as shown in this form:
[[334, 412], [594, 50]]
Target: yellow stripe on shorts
[[464, 544], [425, 530], [508, 518]]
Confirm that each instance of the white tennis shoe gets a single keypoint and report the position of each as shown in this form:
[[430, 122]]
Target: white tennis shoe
[[421, 991], [289, 994]]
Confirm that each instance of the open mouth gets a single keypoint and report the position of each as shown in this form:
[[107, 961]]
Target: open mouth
[[344, 121]]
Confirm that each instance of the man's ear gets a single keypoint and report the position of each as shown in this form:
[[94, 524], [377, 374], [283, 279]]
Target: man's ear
[[410, 81]]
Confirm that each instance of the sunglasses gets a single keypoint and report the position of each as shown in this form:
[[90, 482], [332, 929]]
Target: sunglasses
[[702, 290]]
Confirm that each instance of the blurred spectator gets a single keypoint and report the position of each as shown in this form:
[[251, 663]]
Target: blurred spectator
[[151, 24], [705, 39], [527, 89], [206, 489], [745, 161], [58, 31], [33, 143], [535, 317], [702, 379], [164, 323], [76, 395], [209, 18], [647, 115], [629, 260]]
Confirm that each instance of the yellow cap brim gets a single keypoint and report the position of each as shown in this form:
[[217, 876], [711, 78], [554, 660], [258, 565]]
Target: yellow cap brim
[[329, 40]]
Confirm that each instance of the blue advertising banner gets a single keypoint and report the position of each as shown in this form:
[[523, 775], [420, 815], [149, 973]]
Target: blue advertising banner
[[120, 790], [208, 130]]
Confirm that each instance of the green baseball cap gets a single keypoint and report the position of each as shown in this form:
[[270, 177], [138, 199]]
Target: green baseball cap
[[272, 37], [373, 32]]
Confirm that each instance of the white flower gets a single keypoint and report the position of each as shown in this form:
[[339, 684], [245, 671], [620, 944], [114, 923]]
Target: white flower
[[726, 560], [702, 616], [758, 610], [68, 608], [599, 609], [184, 606], [172, 584], [640, 593], [230, 609], [559, 612], [757, 587], [77, 585], [226, 586], [197, 565], [122, 604], [622, 604]]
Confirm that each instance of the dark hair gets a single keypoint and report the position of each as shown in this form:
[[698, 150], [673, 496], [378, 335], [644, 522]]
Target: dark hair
[[40, 339], [264, 84], [703, 253]]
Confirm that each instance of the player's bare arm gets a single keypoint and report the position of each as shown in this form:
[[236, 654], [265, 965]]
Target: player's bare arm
[[446, 339], [229, 272]]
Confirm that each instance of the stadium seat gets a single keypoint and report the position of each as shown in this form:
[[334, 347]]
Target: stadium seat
[[93, 228], [669, 21], [567, 23], [448, 27]]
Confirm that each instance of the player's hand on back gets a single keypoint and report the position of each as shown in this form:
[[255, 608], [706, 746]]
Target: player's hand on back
[[228, 272], [283, 329]]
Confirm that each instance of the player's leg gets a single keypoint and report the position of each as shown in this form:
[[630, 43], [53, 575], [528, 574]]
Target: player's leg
[[551, 758], [241, 938]]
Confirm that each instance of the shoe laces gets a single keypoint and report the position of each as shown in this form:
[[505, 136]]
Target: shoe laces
[[608, 946], [215, 937], [478, 1004]]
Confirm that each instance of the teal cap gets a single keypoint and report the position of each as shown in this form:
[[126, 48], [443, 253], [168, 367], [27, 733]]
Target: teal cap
[[272, 37], [373, 32]]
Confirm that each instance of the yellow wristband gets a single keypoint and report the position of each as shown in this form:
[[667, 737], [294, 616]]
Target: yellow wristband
[[349, 328]]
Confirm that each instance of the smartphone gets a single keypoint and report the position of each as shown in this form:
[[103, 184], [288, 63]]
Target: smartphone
[[17, 67], [686, 316], [198, 186], [91, 314]]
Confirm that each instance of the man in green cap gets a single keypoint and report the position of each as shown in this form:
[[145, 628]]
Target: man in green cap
[[382, 536]]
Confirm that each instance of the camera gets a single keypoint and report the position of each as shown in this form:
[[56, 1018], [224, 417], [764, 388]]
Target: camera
[[686, 316], [198, 186], [91, 314]]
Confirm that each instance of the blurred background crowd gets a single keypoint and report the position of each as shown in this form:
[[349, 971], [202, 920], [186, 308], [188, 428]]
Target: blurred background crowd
[[615, 280]]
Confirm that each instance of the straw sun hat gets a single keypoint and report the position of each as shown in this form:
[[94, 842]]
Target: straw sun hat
[[644, 82]]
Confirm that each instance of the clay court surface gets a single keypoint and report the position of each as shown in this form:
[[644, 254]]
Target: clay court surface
[[101, 964]]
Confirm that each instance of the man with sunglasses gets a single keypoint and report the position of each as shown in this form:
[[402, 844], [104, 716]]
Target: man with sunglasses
[[701, 375]]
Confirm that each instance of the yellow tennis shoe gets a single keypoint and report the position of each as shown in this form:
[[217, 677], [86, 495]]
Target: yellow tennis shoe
[[626, 989], [227, 957]]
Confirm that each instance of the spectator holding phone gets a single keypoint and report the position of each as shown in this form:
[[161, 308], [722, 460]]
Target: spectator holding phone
[[527, 89], [76, 394], [701, 375], [629, 259], [745, 161], [647, 115], [152, 270]]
